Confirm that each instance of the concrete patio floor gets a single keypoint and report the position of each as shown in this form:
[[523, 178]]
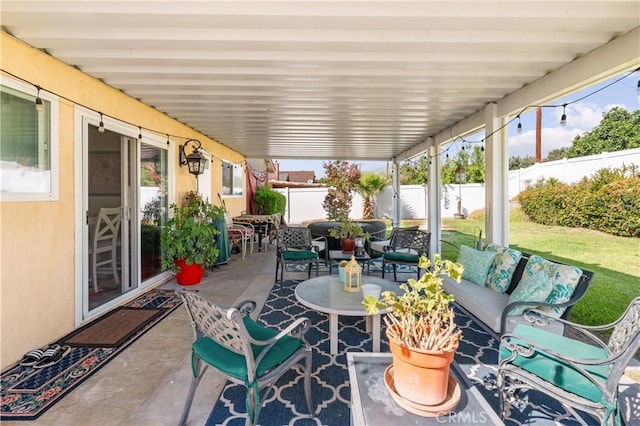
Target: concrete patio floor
[[147, 383]]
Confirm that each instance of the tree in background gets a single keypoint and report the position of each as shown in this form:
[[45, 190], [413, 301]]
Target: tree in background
[[342, 178], [473, 162], [369, 187], [556, 154], [521, 162], [415, 172], [618, 130]]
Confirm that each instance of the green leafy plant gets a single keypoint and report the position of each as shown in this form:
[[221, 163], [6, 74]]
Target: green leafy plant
[[268, 201], [369, 186], [421, 317], [343, 263], [348, 229], [190, 235]]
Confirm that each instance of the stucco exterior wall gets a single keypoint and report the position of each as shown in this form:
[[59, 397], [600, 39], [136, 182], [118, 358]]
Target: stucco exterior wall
[[37, 292]]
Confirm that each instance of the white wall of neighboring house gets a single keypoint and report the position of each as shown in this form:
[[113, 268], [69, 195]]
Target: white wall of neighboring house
[[305, 204]]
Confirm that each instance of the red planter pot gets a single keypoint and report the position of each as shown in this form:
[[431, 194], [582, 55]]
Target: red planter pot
[[347, 244], [189, 274]]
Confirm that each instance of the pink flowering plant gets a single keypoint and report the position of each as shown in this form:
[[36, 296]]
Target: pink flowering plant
[[342, 178]]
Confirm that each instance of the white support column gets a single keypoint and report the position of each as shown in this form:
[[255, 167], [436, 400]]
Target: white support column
[[496, 178], [395, 175], [433, 206]]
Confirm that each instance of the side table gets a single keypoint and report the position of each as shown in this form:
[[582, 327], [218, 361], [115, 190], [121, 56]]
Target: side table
[[372, 403], [339, 255]]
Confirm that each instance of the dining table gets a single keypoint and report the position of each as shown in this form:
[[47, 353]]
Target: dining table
[[264, 224]]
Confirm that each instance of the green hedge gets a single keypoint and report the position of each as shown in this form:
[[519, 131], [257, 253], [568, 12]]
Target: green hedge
[[608, 201], [268, 201]]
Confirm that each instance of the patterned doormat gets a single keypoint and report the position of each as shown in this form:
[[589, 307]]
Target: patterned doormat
[[27, 392], [283, 403]]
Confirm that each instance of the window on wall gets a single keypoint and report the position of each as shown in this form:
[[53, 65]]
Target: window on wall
[[231, 179], [28, 144]]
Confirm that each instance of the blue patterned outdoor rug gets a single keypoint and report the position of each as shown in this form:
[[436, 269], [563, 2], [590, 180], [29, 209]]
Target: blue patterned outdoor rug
[[283, 404], [27, 392]]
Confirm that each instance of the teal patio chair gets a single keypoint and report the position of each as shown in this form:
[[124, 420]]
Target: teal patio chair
[[295, 247], [243, 351], [579, 375], [406, 247]]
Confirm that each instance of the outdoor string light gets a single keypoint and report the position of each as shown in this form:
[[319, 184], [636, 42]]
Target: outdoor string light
[[563, 119], [519, 125], [39, 103], [101, 126]]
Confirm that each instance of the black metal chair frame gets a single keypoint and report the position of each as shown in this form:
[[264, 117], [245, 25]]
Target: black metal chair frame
[[407, 240], [294, 238]]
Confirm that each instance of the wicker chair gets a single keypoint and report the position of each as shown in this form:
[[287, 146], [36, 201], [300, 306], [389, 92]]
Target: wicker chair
[[244, 351], [295, 247], [407, 245], [579, 375]]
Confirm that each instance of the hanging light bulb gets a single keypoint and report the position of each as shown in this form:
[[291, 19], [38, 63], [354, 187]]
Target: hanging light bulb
[[447, 155], [140, 134], [101, 126], [519, 125], [168, 141], [563, 119], [638, 90], [39, 103]]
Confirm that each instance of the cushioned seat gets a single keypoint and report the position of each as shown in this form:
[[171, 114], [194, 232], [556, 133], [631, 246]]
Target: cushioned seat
[[245, 352], [295, 247], [580, 375], [407, 245]]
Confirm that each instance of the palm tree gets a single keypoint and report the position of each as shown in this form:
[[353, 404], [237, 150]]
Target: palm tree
[[369, 187]]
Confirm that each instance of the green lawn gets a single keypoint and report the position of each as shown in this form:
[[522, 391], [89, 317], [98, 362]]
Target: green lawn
[[615, 261]]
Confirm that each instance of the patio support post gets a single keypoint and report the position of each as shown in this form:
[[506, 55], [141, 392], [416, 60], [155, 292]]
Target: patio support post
[[434, 214], [395, 182], [496, 178]]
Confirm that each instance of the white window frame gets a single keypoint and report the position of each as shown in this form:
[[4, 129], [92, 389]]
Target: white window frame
[[54, 190], [237, 171]]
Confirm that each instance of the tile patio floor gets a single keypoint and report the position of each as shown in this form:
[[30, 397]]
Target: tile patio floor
[[147, 383]]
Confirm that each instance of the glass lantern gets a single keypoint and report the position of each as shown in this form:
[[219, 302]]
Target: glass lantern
[[352, 276]]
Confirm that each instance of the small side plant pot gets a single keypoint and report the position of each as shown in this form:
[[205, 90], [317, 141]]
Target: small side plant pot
[[341, 274]]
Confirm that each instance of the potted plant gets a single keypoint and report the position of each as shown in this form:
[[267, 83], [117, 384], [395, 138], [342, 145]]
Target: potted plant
[[423, 336], [188, 242], [347, 233], [341, 266]]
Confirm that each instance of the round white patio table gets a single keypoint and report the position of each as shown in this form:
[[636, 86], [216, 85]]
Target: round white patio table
[[326, 294]]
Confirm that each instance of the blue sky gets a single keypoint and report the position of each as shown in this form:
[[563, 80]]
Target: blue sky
[[581, 117]]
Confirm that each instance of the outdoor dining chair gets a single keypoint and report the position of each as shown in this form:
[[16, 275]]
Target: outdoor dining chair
[[245, 352], [406, 248], [104, 244], [240, 233], [295, 247], [579, 375]]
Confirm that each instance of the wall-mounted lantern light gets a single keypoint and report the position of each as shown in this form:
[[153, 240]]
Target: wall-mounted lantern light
[[195, 161]]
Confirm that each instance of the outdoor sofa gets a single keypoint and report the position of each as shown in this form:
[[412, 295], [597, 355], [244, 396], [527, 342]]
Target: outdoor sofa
[[498, 294]]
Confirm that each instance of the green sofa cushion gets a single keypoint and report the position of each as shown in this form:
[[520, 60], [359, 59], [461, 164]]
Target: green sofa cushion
[[395, 256], [557, 372], [234, 364], [299, 255]]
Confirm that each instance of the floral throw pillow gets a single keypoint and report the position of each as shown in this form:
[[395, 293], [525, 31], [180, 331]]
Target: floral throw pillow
[[476, 264], [503, 267], [564, 279], [532, 288]]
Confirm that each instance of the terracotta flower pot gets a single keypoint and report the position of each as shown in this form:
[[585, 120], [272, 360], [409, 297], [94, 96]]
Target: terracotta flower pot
[[189, 274], [420, 376], [347, 244]]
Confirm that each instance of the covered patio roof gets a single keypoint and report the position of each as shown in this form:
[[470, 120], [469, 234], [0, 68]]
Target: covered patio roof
[[359, 80]]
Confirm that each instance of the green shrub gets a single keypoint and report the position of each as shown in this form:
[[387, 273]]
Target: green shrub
[[268, 201], [608, 201]]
